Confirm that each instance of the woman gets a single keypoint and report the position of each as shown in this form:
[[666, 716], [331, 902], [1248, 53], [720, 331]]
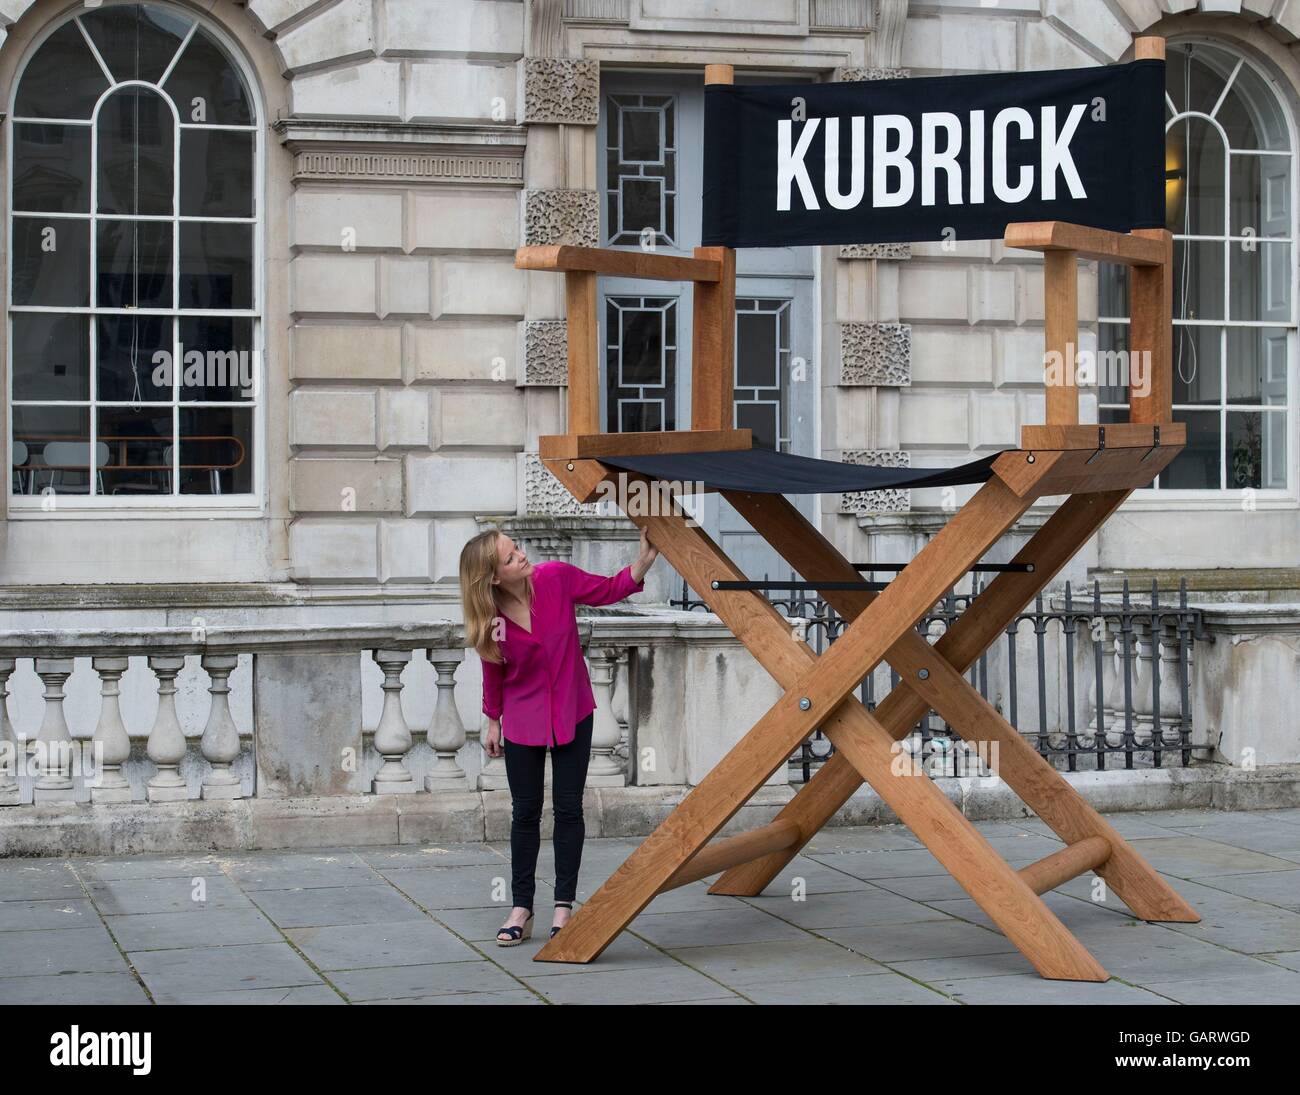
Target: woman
[[536, 694]]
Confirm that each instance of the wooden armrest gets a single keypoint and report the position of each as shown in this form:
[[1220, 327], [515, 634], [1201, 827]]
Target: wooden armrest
[[1089, 243], [627, 264]]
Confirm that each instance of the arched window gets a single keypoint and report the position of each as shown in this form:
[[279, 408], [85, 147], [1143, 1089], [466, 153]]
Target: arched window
[[1230, 175], [134, 284]]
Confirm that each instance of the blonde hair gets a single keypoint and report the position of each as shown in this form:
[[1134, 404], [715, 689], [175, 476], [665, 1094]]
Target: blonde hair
[[478, 566]]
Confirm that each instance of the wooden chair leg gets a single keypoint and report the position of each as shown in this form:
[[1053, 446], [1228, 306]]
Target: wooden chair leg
[[965, 853], [831, 787], [927, 673]]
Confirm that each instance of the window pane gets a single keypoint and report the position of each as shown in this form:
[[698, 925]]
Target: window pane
[[1198, 353], [51, 262], [216, 265], [1197, 466], [1245, 450], [1260, 285], [135, 264], [643, 342], [52, 168], [206, 87], [1261, 195], [55, 444], [1194, 195], [638, 415], [1112, 339], [1198, 279], [136, 41], [756, 355], [761, 419], [216, 173], [135, 132], [63, 79], [641, 205], [1251, 114], [1112, 290], [640, 136], [217, 358], [216, 450], [51, 358], [139, 440], [127, 361], [1195, 75], [1257, 358]]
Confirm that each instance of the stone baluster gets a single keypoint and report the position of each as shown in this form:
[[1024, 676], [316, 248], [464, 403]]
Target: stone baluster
[[622, 700], [1144, 664], [167, 745], [605, 770], [220, 741], [53, 742], [393, 735], [111, 743], [1112, 685], [1171, 699], [10, 748], [446, 734]]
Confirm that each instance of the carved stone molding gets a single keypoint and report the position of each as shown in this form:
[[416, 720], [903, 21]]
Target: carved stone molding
[[544, 494], [850, 75], [892, 251], [343, 150], [562, 216], [560, 90], [877, 354], [546, 352], [862, 502], [353, 165]]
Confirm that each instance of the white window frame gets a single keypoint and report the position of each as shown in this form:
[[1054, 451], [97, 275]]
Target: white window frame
[[1232, 498], [74, 506]]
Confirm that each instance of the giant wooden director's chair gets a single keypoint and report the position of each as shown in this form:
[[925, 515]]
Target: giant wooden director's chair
[[1095, 466]]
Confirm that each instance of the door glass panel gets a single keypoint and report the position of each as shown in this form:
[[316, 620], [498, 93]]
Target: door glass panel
[[641, 169], [761, 385], [640, 363]]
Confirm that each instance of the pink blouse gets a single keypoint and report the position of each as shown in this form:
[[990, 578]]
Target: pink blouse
[[543, 691]]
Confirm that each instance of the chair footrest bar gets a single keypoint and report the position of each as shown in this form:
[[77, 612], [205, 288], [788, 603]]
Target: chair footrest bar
[[731, 851], [1070, 862]]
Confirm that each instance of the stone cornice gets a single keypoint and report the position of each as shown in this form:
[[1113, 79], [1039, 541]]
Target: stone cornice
[[436, 153]]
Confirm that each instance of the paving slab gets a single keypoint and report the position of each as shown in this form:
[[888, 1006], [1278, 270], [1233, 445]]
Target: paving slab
[[171, 930], [320, 906], [1029, 988], [424, 979], [73, 988], [200, 971], [76, 950], [362, 946], [194, 894], [706, 929], [778, 960]]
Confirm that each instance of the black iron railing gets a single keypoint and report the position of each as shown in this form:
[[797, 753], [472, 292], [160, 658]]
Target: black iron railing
[[1109, 680]]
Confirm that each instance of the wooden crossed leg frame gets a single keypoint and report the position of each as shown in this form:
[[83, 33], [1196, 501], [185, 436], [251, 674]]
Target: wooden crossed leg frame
[[819, 693]]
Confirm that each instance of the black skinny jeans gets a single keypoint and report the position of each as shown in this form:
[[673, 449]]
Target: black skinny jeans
[[526, 774]]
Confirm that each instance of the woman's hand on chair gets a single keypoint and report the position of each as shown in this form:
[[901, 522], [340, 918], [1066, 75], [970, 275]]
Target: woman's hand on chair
[[649, 553]]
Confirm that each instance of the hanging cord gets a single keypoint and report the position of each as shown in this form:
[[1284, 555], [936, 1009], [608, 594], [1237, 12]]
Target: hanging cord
[[137, 395], [1185, 276]]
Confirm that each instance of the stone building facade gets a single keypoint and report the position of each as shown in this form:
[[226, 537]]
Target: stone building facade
[[396, 154]]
